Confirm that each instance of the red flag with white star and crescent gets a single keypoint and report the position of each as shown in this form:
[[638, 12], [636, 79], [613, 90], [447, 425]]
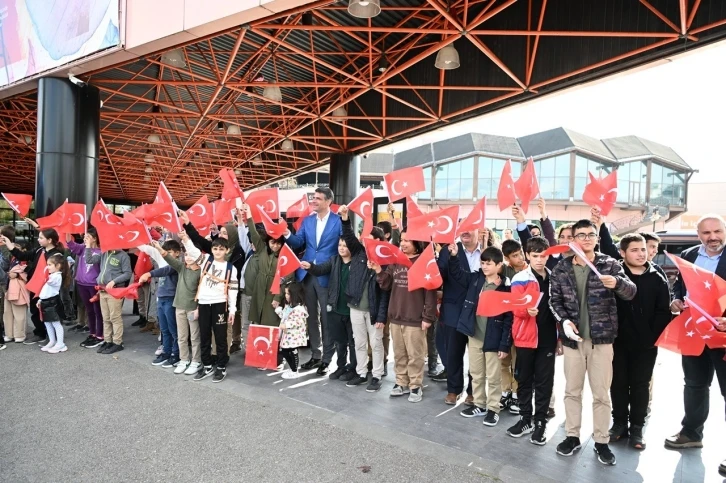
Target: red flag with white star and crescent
[[262, 346], [424, 273]]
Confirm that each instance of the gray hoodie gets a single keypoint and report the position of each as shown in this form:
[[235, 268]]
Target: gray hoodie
[[115, 265]]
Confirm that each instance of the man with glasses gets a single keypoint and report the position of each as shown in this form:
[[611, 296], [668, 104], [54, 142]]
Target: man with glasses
[[319, 235], [586, 311]]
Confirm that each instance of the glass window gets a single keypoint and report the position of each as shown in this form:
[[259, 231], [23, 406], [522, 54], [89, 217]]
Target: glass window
[[490, 171], [450, 180], [553, 175], [582, 167], [656, 184], [426, 195]]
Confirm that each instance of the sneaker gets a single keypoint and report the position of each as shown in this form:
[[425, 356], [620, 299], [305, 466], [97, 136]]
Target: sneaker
[[235, 347], [204, 372], [311, 364], [7, 339], [94, 343], [491, 419], [568, 446], [680, 441], [159, 350], [103, 347], [322, 369], [522, 427], [140, 322], [172, 362], [398, 391], [33, 340], [374, 385], [47, 346], [618, 432], [192, 369], [88, 340], [722, 469], [357, 381], [78, 328], [289, 374], [3, 346], [604, 455], [57, 348], [337, 373], [539, 436], [20, 341], [416, 395], [348, 375], [114, 348], [435, 372], [440, 377], [474, 412], [636, 437], [181, 367], [43, 342], [550, 413], [219, 374], [160, 359], [505, 402], [514, 406]]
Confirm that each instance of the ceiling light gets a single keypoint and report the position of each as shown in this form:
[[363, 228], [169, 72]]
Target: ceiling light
[[447, 58], [174, 58], [27, 139], [147, 178], [238, 171], [340, 112], [149, 169], [287, 145], [154, 139], [307, 19], [364, 8], [272, 92], [383, 63], [257, 161], [233, 130], [149, 158]]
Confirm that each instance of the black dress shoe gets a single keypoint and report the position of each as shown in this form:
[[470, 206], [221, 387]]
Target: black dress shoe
[[311, 364], [322, 369], [139, 323]]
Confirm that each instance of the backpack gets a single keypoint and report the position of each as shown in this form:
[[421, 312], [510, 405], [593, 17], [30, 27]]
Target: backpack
[[205, 271]]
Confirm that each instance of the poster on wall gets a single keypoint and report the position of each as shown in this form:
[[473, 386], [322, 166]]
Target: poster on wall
[[40, 35]]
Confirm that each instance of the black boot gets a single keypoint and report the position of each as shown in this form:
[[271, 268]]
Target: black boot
[[636, 437], [140, 323]]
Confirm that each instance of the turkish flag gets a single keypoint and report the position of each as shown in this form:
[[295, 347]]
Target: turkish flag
[[474, 220], [298, 223], [102, 215], [163, 215], [412, 209], [384, 253], [129, 232], [362, 206], [68, 218], [19, 203], [557, 250], [299, 209], [424, 273], [201, 215], [602, 193], [334, 208], [143, 265], [506, 196], [705, 288], [163, 195], [223, 211], [268, 200], [680, 336], [287, 263], [493, 302], [130, 292], [404, 182], [231, 188], [275, 230], [438, 226], [262, 346], [40, 276], [527, 186]]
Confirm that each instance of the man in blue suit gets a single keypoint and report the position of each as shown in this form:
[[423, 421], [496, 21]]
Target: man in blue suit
[[319, 235]]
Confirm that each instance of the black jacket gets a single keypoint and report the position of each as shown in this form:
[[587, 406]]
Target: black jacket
[[608, 247], [359, 275], [642, 320], [454, 290]]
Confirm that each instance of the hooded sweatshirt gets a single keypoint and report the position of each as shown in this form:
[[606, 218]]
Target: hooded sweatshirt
[[115, 265], [406, 308], [86, 274]]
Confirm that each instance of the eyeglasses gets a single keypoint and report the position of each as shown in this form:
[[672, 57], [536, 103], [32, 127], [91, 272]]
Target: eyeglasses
[[587, 236]]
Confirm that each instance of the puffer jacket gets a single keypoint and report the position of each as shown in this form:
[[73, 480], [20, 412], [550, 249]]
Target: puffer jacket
[[498, 337], [601, 303], [534, 332]]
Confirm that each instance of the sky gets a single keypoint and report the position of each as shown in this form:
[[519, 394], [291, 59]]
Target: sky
[[678, 102]]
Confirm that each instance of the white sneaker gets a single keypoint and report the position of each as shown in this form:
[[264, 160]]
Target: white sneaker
[[181, 367], [7, 339], [288, 374], [281, 367], [159, 350], [57, 348], [192, 369], [48, 346]]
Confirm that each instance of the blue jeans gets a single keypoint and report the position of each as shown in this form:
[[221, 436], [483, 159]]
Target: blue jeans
[[167, 323]]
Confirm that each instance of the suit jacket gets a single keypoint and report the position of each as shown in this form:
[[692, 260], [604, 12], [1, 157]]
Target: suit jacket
[[314, 252], [690, 255]]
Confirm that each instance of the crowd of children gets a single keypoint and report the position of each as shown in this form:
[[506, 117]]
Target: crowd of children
[[602, 313]]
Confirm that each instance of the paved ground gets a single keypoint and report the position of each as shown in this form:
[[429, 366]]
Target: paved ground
[[80, 416]]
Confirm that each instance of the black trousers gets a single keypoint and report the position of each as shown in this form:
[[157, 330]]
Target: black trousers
[[213, 318], [341, 331], [630, 388], [292, 357], [39, 329], [535, 370], [455, 343], [698, 373]]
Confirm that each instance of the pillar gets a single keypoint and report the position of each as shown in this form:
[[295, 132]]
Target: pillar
[[344, 177], [66, 162]]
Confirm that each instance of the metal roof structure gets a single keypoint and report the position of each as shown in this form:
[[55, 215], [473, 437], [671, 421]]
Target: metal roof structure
[[379, 70]]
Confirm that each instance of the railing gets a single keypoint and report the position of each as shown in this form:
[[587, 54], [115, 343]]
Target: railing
[[628, 223]]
